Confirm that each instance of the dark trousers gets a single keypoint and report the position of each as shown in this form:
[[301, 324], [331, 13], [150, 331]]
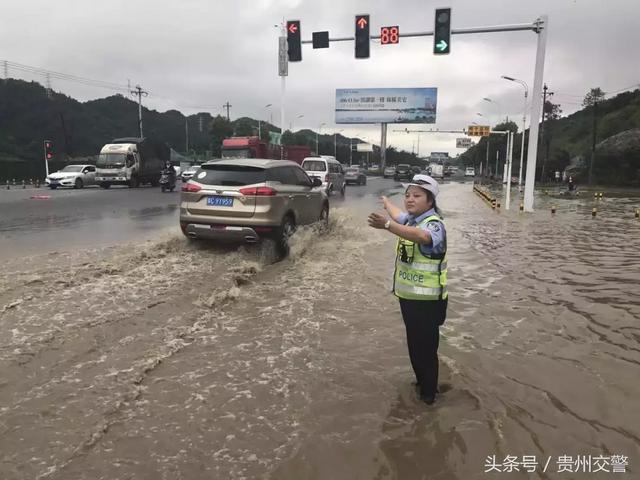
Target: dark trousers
[[422, 320]]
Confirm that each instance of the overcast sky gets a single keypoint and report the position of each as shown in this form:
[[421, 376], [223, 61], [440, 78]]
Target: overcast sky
[[194, 55]]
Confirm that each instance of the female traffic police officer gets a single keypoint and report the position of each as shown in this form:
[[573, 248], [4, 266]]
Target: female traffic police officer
[[420, 278]]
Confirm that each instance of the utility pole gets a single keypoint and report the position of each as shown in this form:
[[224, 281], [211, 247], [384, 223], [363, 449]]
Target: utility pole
[[186, 133], [593, 141], [6, 69], [48, 81], [228, 107], [200, 122], [140, 93], [350, 151], [544, 137]]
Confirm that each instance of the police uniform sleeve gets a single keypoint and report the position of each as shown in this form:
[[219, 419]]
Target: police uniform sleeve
[[438, 239]]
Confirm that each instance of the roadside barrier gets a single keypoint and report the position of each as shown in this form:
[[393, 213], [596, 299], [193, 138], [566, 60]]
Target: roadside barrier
[[495, 203], [485, 195]]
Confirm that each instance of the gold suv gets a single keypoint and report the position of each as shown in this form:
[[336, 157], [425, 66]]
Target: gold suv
[[244, 200]]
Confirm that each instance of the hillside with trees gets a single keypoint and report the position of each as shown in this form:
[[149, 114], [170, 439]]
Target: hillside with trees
[[29, 114], [567, 142]]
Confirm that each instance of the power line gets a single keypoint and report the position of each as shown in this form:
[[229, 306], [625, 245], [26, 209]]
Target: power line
[[63, 76]]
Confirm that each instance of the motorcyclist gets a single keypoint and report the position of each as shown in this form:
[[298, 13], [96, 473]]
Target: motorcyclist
[[571, 185], [169, 170]]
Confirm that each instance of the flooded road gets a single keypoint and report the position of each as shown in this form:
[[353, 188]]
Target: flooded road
[[178, 360]]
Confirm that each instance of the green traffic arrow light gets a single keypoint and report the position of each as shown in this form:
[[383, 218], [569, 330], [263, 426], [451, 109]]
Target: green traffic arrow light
[[442, 45]]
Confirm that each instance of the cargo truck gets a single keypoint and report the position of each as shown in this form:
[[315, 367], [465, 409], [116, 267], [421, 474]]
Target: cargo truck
[[131, 161], [253, 147]]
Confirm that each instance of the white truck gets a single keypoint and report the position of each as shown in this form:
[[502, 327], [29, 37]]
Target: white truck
[[437, 170], [131, 161]]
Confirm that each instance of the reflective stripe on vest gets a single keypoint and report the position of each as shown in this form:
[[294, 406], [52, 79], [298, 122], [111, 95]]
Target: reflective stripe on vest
[[419, 277]]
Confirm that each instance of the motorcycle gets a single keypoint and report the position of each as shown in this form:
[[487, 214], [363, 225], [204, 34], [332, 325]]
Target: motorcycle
[[167, 181]]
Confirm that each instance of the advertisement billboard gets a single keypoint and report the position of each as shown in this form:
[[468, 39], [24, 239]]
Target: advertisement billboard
[[463, 142], [364, 147], [386, 105]]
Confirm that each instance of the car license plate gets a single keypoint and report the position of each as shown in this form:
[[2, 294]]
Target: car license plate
[[220, 201]]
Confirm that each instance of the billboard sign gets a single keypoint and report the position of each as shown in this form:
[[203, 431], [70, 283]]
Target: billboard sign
[[479, 130], [364, 147], [386, 105], [463, 142]]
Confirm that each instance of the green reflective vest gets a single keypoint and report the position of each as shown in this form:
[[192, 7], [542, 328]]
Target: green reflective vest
[[419, 277]]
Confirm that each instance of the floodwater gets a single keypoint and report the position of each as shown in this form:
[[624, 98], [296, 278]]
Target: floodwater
[[188, 361]]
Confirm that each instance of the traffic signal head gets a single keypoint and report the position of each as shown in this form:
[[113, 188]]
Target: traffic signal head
[[362, 36], [48, 149], [442, 32], [293, 39]]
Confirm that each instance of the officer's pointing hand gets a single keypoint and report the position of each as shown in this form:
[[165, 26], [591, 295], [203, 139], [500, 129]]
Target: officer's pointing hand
[[377, 220]]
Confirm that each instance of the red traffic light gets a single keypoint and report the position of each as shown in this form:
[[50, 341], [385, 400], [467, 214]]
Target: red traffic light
[[362, 22], [48, 149], [293, 28]]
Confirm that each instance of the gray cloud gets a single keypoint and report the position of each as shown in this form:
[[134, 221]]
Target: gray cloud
[[201, 53]]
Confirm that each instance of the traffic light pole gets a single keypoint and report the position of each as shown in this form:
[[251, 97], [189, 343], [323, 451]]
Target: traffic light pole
[[46, 162], [540, 27], [454, 31], [383, 146]]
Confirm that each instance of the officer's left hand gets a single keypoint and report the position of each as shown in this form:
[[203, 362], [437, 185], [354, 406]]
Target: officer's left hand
[[377, 220]]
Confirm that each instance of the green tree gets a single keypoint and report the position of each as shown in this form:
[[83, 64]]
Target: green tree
[[221, 128], [288, 138], [552, 111], [595, 95], [244, 127]]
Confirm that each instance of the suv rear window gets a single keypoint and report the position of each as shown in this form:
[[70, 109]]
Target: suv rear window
[[314, 165], [231, 175]]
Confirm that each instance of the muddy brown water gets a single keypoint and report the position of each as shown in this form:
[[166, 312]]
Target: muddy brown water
[[190, 361]]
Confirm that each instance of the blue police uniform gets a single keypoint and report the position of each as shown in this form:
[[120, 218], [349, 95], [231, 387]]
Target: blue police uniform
[[422, 318]]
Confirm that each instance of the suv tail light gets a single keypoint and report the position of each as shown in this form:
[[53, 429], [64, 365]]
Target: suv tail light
[[258, 191], [326, 178], [191, 187]]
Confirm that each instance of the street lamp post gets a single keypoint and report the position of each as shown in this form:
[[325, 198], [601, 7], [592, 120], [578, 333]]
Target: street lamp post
[[291, 123], [260, 123], [350, 151], [496, 104], [318, 137], [335, 143], [524, 121], [486, 170]]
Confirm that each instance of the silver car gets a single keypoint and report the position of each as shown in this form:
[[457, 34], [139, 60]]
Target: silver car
[[188, 173], [355, 175], [75, 176], [245, 200]]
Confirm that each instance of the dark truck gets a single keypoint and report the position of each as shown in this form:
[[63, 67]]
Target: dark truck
[[403, 172], [131, 161]]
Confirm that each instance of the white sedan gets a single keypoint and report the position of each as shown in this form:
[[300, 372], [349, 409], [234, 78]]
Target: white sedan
[[76, 176]]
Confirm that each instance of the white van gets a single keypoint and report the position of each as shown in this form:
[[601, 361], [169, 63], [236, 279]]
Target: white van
[[328, 170]]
